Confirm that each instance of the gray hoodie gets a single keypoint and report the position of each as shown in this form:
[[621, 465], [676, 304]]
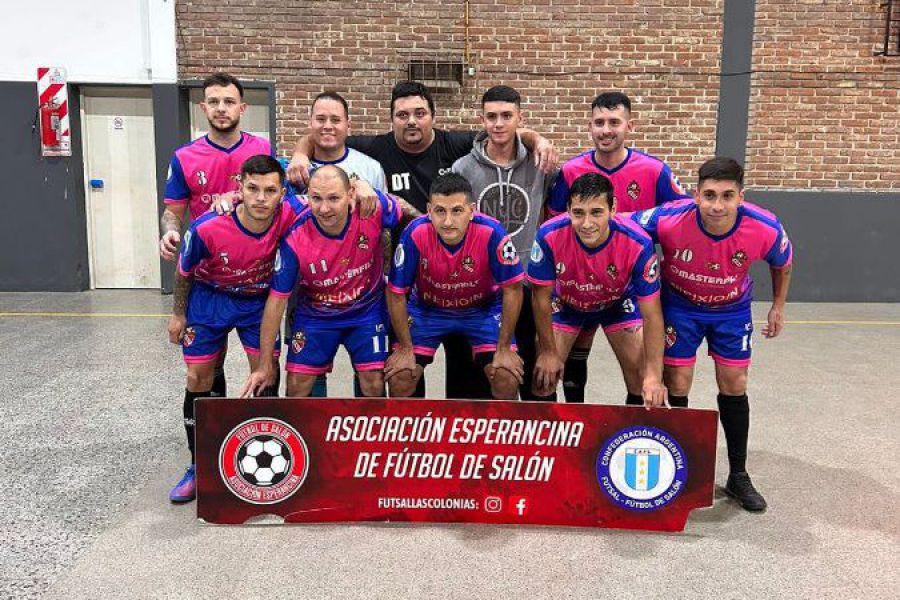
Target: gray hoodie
[[512, 194]]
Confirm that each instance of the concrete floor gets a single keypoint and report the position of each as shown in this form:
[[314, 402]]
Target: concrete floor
[[93, 441]]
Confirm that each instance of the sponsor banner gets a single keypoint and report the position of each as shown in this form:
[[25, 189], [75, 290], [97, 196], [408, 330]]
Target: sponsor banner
[[319, 460]]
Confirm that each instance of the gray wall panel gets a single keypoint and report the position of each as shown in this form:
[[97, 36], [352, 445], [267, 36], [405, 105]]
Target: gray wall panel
[[44, 225]]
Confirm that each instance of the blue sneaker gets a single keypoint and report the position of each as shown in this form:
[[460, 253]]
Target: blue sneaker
[[186, 489]]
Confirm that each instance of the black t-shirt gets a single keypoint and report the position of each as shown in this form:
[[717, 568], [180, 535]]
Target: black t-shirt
[[410, 175]]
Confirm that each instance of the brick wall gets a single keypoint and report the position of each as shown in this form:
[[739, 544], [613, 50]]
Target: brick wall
[[825, 111]]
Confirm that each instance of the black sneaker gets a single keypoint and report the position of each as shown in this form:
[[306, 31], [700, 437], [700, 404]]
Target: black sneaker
[[741, 489]]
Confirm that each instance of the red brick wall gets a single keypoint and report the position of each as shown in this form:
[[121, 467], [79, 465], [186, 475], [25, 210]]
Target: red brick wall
[[825, 111]]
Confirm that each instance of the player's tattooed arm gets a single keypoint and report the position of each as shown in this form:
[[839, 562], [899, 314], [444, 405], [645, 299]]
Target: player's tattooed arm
[[548, 369], [298, 169], [178, 320], [781, 281], [409, 211], [170, 226]]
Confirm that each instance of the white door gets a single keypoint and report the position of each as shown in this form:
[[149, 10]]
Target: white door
[[120, 182]]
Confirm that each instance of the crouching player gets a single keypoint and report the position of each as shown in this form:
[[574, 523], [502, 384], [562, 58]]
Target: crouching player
[[588, 267], [708, 244], [335, 260], [454, 262], [223, 276]]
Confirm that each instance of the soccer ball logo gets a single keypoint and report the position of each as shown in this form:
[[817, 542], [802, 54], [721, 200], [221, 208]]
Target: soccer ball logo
[[507, 253], [264, 461]]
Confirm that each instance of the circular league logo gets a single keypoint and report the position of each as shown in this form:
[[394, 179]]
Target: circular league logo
[[263, 461], [641, 468]]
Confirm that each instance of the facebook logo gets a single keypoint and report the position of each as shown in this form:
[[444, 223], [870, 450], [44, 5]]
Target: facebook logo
[[518, 505]]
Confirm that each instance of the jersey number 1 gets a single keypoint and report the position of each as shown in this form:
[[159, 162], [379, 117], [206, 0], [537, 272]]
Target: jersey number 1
[[312, 267]]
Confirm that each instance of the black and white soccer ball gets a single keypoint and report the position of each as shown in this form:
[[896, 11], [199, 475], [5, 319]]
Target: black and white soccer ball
[[264, 460], [510, 254]]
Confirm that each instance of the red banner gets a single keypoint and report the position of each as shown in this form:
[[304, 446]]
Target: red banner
[[318, 460]]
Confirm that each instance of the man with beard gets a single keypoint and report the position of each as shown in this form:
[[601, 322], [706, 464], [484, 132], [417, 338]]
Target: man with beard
[[640, 181], [208, 169]]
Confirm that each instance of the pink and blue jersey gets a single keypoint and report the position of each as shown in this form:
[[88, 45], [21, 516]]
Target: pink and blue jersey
[[592, 279], [337, 276], [706, 271], [202, 171], [641, 181], [455, 280], [221, 253]]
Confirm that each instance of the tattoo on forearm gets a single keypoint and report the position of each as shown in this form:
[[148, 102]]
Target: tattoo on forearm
[[408, 209], [180, 294], [169, 222]]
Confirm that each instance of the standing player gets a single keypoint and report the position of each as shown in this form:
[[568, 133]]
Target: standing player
[[207, 170], [509, 187], [335, 260], [708, 245], [454, 262], [586, 266], [639, 181], [223, 277], [413, 155]]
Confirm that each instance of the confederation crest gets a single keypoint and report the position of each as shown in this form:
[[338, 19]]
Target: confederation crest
[[506, 252]]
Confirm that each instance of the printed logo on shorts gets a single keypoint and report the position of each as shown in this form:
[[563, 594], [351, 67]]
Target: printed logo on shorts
[[641, 468], [784, 241], [634, 190], [298, 341], [189, 336], [263, 461], [555, 305], [671, 336], [537, 255]]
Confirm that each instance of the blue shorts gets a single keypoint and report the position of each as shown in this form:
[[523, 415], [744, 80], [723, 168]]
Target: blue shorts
[[211, 316], [619, 315], [728, 336], [481, 329], [314, 342]]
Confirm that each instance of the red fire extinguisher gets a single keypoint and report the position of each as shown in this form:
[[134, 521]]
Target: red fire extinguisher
[[51, 124]]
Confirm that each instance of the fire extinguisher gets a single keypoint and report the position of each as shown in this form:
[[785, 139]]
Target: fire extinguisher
[[51, 124]]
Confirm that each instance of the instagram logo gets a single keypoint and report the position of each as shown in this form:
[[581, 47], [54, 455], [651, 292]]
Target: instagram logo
[[493, 504]]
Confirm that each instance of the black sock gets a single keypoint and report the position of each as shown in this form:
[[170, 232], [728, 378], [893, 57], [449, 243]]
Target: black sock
[[634, 399], [734, 412], [220, 386], [188, 409], [678, 401], [575, 375]]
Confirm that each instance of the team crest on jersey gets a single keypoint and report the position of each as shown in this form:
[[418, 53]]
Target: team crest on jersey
[[189, 336], [634, 190], [263, 461], [671, 336], [363, 242], [612, 271], [651, 270], [506, 252], [739, 258], [201, 178], [298, 342], [713, 266], [560, 268], [468, 263]]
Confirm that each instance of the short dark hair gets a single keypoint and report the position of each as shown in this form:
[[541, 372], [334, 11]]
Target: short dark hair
[[501, 93], [721, 168], [592, 185], [405, 89], [262, 164], [449, 184], [330, 95], [223, 80], [333, 170], [611, 101]]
